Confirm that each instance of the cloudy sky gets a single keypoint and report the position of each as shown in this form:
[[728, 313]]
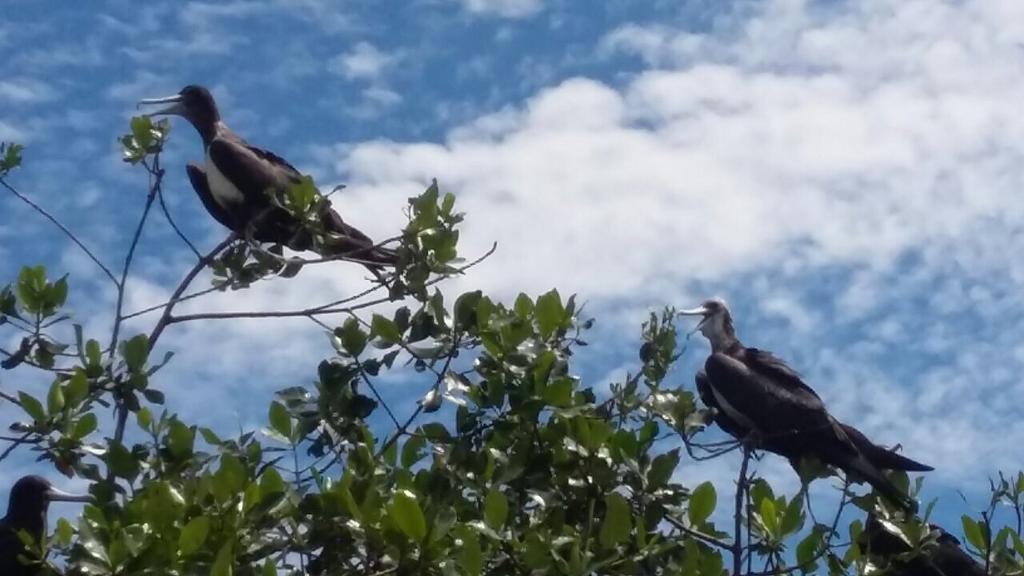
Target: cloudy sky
[[847, 175]]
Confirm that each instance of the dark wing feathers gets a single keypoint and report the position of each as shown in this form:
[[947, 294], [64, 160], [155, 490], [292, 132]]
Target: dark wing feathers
[[254, 171], [773, 403], [250, 169], [197, 177], [767, 363], [730, 426], [791, 419]]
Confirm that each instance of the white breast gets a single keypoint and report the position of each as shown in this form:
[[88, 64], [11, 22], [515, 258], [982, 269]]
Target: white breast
[[224, 192]]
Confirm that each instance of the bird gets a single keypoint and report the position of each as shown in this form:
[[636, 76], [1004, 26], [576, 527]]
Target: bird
[[239, 183], [26, 511], [783, 445], [939, 555], [760, 400]]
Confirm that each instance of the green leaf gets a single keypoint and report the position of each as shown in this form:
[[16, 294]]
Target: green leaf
[[280, 421], [58, 293], [806, 550], [662, 468], [973, 532], [92, 352], [465, 310], [412, 450], [559, 393], [406, 514], [121, 462], [64, 531], [436, 432], [55, 398], [495, 509], [135, 351], [353, 339], [230, 477], [470, 558], [385, 329], [271, 482], [193, 535], [703, 500], [11, 157], [85, 426], [76, 388], [550, 313], [793, 519], [153, 395], [224, 564], [32, 407], [769, 517], [31, 287], [617, 524]]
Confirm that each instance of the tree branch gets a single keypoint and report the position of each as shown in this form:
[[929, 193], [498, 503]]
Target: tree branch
[[737, 543], [63, 229], [165, 318]]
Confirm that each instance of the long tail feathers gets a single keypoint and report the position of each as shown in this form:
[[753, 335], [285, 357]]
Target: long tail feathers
[[862, 469], [882, 457]]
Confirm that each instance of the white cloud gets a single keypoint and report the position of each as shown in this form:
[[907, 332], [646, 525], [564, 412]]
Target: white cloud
[[10, 133], [363, 62], [25, 91], [799, 140], [504, 8]]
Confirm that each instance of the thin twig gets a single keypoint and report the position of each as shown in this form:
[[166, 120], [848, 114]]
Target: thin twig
[[373, 389], [165, 318], [419, 408], [698, 534], [307, 312], [63, 229], [14, 444], [154, 189], [167, 214], [737, 544], [9, 398], [156, 176], [156, 307]]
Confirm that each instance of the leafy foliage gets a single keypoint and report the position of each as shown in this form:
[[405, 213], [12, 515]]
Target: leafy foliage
[[509, 463]]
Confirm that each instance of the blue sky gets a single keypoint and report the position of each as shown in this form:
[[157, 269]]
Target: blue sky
[[847, 175]]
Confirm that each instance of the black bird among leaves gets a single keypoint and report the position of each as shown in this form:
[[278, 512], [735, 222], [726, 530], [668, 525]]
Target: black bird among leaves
[[240, 183], [26, 511], [762, 401], [940, 554]]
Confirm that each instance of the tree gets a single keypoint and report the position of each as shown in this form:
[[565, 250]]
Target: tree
[[510, 464]]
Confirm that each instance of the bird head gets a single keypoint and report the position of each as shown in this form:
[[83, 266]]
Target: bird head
[[30, 499], [36, 491], [193, 103], [716, 322]]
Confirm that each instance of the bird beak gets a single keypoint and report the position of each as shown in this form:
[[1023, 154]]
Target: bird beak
[[57, 495], [177, 106], [698, 311]]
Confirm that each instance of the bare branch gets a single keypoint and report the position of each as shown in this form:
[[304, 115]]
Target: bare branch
[[156, 307], [324, 309], [15, 442], [741, 487], [404, 427], [166, 318], [63, 229], [167, 214], [156, 175]]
